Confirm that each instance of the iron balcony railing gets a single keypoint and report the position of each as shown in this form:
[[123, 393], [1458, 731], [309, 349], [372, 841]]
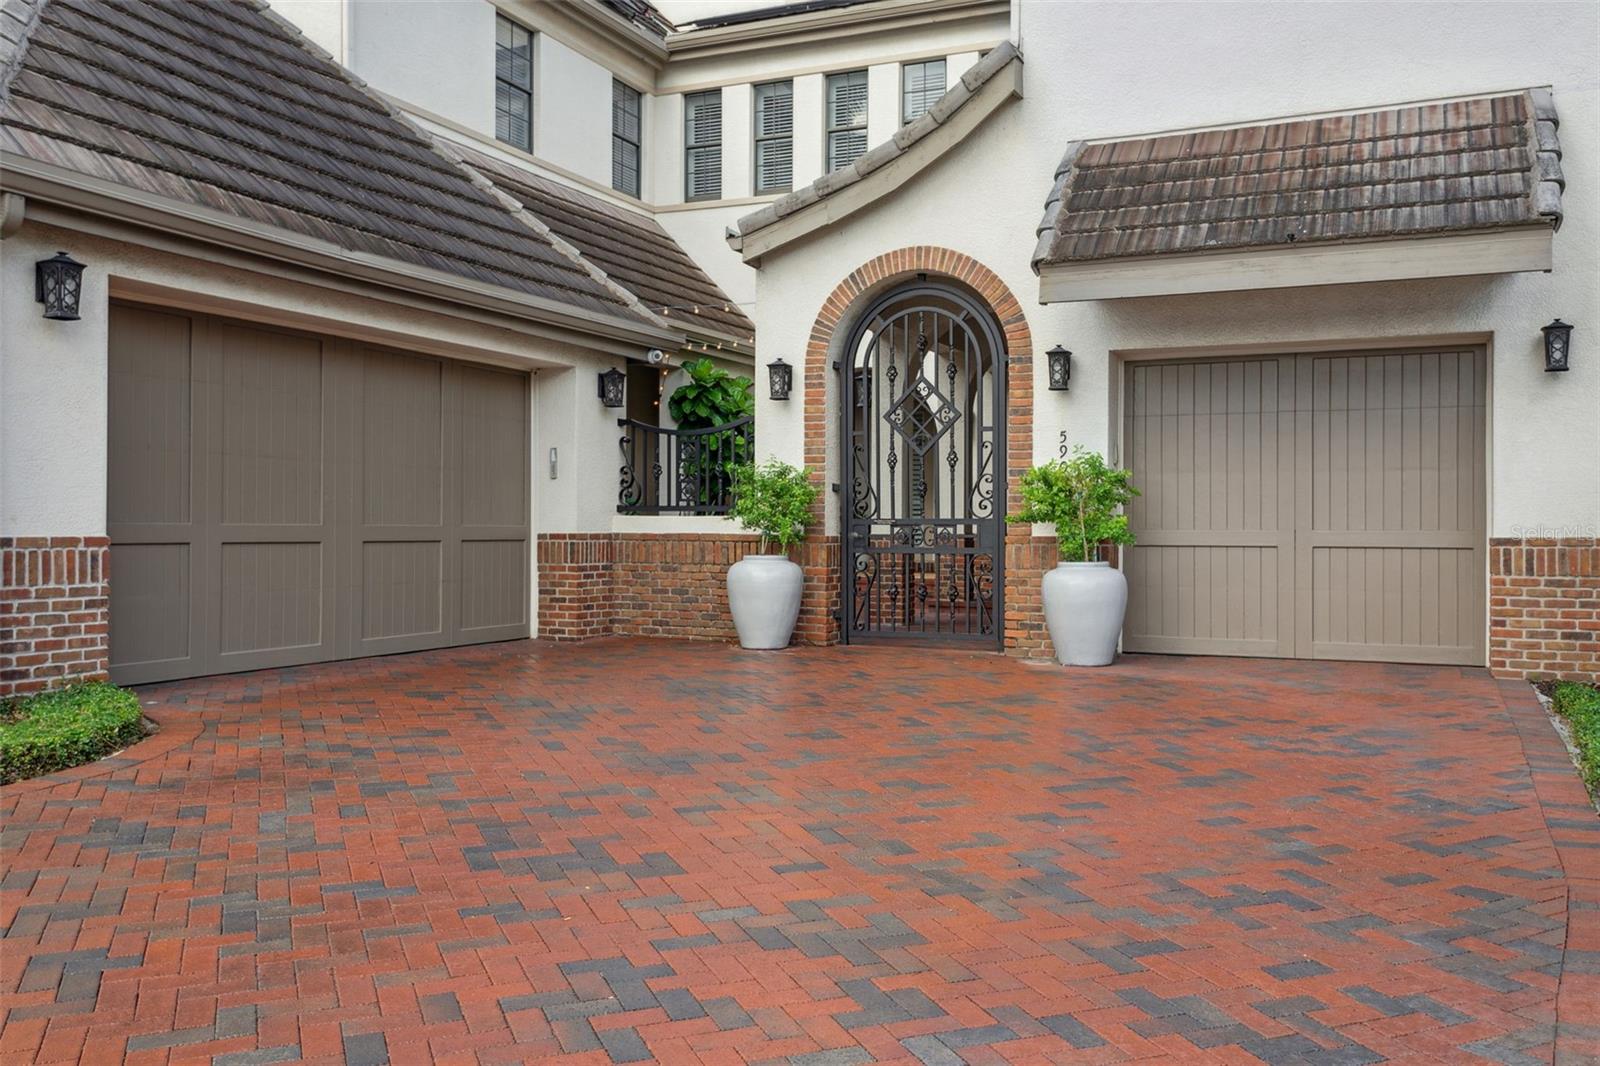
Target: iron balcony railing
[[681, 471]]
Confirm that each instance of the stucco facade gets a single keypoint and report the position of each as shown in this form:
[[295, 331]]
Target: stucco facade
[[971, 212]]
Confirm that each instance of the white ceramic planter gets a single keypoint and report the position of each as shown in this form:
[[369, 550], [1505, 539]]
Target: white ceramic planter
[[1083, 608], [764, 595]]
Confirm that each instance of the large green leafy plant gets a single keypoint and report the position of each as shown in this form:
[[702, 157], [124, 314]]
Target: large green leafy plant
[[773, 500], [711, 396], [1082, 496]]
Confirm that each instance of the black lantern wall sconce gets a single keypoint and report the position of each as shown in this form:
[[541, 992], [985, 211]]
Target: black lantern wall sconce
[[58, 284], [1557, 345], [613, 387], [1060, 366], [781, 379]]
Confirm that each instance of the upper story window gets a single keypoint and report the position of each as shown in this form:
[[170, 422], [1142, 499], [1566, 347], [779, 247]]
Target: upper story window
[[847, 118], [625, 138], [513, 83], [774, 135], [702, 145], [921, 84]]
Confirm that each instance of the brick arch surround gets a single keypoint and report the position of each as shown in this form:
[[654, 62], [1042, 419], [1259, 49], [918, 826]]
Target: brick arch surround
[[1026, 556]]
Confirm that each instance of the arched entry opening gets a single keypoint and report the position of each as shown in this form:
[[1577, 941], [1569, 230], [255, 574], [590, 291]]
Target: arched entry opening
[[922, 431]]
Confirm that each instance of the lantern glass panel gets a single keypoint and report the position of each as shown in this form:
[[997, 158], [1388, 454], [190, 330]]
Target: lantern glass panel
[[1059, 363], [1557, 346], [781, 379]]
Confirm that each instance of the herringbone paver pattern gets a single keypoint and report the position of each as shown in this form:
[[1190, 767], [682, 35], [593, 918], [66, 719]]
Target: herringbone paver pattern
[[627, 850]]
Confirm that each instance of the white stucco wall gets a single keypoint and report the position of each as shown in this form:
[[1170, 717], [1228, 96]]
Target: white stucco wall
[[572, 112], [986, 196], [441, 50]]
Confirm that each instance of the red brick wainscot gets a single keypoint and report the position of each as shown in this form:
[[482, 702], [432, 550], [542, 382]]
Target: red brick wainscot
[[54, 625], [1026, 557], [667, 585], [1544, 607]]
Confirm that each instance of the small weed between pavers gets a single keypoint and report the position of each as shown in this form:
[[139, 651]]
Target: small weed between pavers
[[56, 730], [1578, 705]]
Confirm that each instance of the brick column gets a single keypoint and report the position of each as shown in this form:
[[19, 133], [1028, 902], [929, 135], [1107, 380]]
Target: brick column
[[1544, 607], [54, 612]]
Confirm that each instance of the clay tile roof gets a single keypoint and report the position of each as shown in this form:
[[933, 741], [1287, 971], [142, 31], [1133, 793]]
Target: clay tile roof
[[223, 105], [1467, 165], [632, 249]]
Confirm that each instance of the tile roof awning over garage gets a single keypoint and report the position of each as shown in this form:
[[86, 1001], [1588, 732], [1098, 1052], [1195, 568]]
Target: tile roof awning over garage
[[220, 122], [1434, 190]]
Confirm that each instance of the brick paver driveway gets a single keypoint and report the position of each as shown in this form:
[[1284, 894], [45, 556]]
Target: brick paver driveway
[[630, 849]]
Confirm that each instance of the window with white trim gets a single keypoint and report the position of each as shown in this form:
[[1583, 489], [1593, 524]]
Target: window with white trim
[[774, 135], [702, 145], [921, 85], [626, 130], [847, 118], [513, 83]]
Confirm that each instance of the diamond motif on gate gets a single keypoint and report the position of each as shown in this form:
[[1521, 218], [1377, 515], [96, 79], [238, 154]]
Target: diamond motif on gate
[[922, 415]]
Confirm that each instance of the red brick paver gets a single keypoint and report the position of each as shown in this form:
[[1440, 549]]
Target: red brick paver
[[627, 849]]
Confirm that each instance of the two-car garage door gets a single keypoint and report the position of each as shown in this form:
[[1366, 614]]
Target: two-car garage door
[[277, 497], [1327, 506]]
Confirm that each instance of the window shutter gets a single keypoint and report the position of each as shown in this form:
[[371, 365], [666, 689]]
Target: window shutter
[[847, 118], [774, 135], [702, 138], [624, 138], [923, 84], [847, 100]]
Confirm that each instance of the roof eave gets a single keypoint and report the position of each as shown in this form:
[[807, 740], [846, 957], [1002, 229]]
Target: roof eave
[[1506, 250], [49, 184], [804, 27]]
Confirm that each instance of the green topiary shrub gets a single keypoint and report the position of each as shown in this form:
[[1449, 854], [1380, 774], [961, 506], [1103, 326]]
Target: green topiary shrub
[[56, 730], [1580, 705], [1082, 496], [773, 500]]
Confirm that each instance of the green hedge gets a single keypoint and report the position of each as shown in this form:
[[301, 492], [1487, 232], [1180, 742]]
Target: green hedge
[[55, 730], [1580, 706]]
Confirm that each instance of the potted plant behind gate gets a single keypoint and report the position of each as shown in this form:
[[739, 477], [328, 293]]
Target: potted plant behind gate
[[1085, 597], [774, 501]]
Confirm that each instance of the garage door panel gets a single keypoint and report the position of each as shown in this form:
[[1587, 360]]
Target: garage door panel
[[400, 586], [150, 612], [493, 574], [1206, 451], [402, 450], [148, 460], [271, 596], [1223, 599], [1337, 506], [270, 437], [494, 448]]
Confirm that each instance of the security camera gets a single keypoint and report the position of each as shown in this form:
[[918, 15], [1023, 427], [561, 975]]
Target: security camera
[[655, 356]]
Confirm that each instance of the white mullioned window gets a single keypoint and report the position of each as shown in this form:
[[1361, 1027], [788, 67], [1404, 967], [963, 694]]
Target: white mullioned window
[[774, 136], [702, 145], [513, 83], [626, 135], [921, 85], [847, 118]]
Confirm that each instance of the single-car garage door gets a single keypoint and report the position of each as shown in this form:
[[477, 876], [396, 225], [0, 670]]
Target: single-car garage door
[[1326, 506], [277, 497]]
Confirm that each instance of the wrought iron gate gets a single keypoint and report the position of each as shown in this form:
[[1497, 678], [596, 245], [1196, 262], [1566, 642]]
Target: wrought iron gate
[[922, 421]]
